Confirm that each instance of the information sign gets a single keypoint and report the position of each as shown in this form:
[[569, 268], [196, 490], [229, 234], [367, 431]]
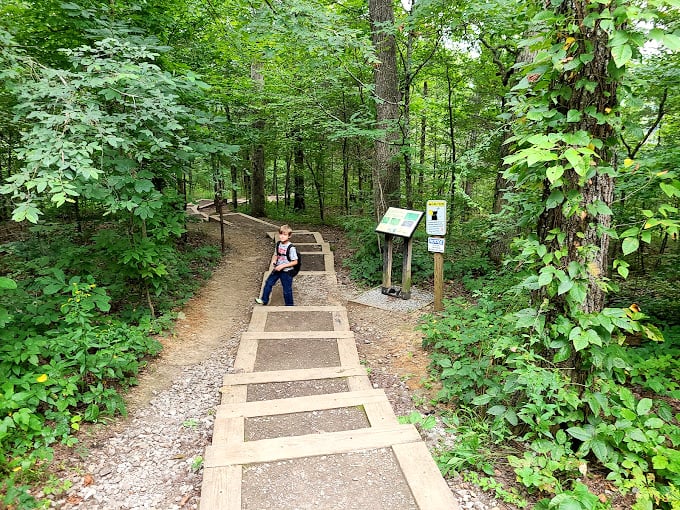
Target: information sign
[[435, 222], [435, 244], [399, 222]]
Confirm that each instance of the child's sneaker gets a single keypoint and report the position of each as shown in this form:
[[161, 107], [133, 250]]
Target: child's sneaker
[[259, 301]]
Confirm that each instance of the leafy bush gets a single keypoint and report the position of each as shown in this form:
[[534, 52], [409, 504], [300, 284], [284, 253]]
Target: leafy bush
[[496, 363], [65, 355]]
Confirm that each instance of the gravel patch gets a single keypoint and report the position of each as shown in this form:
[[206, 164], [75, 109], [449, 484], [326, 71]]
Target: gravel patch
[[374, 297], [155, 461]]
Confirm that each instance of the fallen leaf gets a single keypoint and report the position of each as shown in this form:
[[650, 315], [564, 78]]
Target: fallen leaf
[[583, 468]]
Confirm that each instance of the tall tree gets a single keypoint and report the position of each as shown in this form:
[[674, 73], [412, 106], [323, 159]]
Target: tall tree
[[386, 168], [257, 198], [566, 120]]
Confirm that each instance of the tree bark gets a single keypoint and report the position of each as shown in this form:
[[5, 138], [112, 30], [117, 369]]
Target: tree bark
[[386, 169], [257, 201], [299, 176], [586, 229], [423, 130]]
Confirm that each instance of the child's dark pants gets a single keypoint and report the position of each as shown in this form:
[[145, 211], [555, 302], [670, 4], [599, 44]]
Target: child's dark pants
[[286, 283]]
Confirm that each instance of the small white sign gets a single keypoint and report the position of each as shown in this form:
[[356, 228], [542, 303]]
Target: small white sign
[[435, 219], [435, 244]]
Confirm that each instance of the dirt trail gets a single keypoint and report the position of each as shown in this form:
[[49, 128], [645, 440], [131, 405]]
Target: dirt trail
[[153, 458]]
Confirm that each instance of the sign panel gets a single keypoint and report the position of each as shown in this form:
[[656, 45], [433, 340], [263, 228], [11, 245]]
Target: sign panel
[[435, 244], [399, 222], [435, 222]]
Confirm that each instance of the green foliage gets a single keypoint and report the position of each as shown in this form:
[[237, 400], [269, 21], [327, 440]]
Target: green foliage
[[477, 445], [654, 291], [65, 356], [101, 131], [569, 430], [423, 422], [366, 263], [458, 331]]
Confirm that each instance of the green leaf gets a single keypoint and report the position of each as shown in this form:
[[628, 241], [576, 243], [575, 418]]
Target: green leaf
[[539, 155], [574, 158], [573, 116], [565, 286], [600, 449], [659, 462], [629, 245], [544, 278], [497, 410], [622, 55], [578, 292], [670, 189], [580, 342], [644, 406], [481, 400], [553, 173], [671, 41], [556, 197], [637, 435], [580, 433], [654, 423], [7, 283]]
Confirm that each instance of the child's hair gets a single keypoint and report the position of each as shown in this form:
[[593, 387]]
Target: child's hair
[[285, 229]]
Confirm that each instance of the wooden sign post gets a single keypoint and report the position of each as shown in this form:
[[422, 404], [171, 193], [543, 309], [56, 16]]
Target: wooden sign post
[[435, 226], [401, 223]]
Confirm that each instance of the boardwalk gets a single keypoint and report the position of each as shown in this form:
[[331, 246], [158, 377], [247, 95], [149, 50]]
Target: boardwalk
[[300, 426]]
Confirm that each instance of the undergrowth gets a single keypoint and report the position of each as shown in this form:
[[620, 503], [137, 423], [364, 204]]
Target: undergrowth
[[73, 336], [519, 407]]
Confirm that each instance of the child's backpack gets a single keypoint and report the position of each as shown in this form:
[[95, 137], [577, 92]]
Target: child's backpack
[[296, 268]]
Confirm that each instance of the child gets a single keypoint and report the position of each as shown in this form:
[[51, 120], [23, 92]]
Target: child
[[282, 268]]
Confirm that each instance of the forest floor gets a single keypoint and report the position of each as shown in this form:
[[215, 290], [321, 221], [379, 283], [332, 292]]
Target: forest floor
[[153, 457]]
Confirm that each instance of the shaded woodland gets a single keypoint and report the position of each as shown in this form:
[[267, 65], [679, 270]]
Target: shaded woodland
[[550, 128]]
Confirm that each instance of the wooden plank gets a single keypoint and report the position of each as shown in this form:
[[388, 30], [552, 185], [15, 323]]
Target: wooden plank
[[359, 382], [329, 262], [228, 429], [347, 351], [380, 414], [217, 220], [221, 488], [428, 487], [310, 445], [231, 394], [302, 374], [300, 404], [246, 354], [311, 308], [258, 319], [278, 335], [340, 320], [252, 218]]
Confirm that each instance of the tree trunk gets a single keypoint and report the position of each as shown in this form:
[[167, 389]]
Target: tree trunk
[[386, 170], [257, 201], [406, 121], [299, 177], [287, 192], [423, 129], [586, 229], [452, 142]]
